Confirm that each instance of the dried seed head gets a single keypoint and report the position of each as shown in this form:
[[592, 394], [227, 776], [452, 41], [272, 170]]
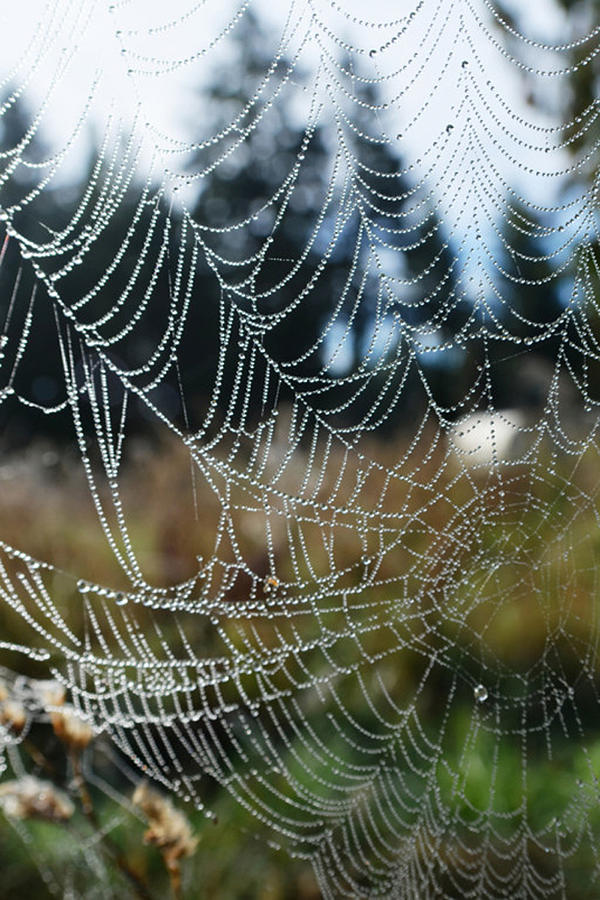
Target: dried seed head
[[169, 829], [71, 729], [13, 715], [30, 798], [49, 692]]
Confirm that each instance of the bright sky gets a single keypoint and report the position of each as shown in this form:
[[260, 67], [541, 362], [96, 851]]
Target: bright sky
[[454, 104], [146, 55]]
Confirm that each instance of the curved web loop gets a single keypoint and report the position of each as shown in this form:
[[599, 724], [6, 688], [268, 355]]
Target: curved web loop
[[343, 265]]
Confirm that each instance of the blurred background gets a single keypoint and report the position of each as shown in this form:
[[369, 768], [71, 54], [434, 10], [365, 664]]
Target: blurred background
[[454, 337]]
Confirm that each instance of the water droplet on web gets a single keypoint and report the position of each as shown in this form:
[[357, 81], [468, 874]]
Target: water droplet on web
[[480, 693]]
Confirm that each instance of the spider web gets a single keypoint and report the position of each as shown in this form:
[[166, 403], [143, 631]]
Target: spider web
[[390, 684]]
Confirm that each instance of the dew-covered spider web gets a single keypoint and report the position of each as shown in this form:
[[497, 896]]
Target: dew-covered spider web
[[355, 294]]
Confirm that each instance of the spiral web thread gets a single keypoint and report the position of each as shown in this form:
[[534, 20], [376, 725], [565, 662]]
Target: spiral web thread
[[355, 690]]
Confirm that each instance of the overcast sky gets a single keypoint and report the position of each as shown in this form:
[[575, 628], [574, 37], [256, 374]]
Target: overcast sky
[[455, 105], [146, 55], [456, 110]]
